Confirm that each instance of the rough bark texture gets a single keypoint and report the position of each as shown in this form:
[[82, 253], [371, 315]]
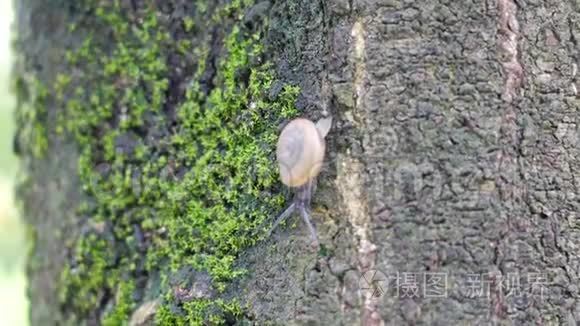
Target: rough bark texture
[[454, 154]]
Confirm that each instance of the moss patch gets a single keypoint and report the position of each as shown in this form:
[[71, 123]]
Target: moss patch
[[176, 128], [31, 118]]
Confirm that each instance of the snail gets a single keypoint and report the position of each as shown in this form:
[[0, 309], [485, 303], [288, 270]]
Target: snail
[[300, 154]]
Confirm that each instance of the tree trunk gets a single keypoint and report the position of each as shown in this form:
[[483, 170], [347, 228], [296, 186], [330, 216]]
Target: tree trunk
[[450, 194]]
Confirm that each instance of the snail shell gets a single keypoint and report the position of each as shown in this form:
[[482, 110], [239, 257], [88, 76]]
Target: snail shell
[[300, 150]]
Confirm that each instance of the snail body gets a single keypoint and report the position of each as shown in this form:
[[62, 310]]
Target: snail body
[[300, 155]]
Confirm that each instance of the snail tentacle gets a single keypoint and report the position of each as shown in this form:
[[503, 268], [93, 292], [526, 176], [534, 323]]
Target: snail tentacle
[[287, 212], [306, 217]]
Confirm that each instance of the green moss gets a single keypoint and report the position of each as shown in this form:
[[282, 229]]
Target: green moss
[[200, 312], [195, 195], [188, 24], [123, 306], [31, 116]]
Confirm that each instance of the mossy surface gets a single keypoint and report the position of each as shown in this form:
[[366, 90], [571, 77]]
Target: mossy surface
[[31, 95], [176, 128]]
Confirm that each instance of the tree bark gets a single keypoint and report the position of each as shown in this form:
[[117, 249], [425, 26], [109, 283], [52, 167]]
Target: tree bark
[[450, 194]]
